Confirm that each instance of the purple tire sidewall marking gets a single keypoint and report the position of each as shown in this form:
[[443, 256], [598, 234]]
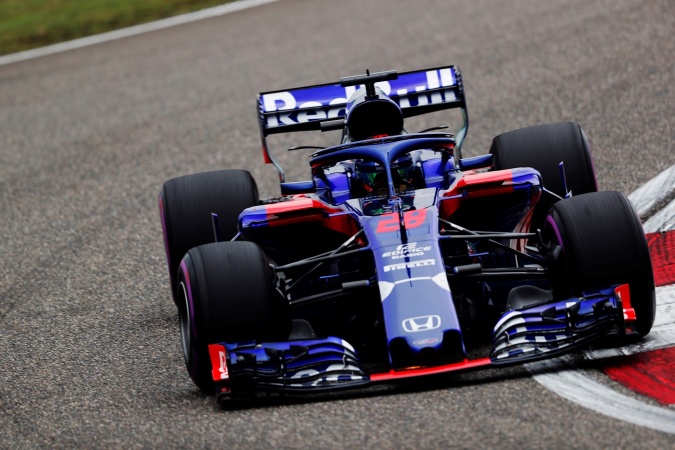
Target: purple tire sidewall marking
[[166, 242], [193, 330], [556, 231]]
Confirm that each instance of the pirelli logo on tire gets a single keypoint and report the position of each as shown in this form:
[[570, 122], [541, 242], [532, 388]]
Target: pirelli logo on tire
[[409, 265]]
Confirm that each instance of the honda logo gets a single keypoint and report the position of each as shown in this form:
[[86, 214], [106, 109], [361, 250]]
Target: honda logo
[[422, 323]]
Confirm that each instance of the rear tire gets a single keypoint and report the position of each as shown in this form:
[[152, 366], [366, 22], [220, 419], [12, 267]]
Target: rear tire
[[226, 294], [604, 244], [542, 148], [186, 204]]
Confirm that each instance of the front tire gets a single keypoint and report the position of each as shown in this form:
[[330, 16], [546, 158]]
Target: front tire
[[226, 294], [603, 244]]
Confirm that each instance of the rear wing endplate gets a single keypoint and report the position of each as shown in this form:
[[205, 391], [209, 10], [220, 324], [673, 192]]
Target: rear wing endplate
[[305, 108]]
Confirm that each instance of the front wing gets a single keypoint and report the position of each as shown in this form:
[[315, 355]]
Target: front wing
[[525, 335]]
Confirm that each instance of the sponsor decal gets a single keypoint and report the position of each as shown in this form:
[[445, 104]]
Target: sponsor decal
[[406, 251], [329, 101], [409, 265], [218, 356], [421, 323]]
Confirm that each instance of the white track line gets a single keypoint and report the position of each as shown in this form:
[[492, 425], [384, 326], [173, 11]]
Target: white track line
[[654, 191], [578, 386], [663, 220], [132, 31]]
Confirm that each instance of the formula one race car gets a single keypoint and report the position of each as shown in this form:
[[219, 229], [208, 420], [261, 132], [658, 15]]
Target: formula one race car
[[399, 258]]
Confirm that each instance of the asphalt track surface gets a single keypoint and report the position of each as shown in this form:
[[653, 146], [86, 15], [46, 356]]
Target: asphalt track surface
[[89, 349]]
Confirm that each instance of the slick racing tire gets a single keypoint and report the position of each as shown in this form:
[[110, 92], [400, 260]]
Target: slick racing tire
[[186, 204], [226, 294], [603, 244], [543, 147]]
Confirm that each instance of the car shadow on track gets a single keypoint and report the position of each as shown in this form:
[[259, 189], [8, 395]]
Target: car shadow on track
[[416, 385]]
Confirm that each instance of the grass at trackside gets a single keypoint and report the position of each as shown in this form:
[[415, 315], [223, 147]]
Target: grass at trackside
[[26, 24]]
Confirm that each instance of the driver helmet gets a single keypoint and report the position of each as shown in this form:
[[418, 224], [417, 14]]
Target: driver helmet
[[368, 118], [372, 176]]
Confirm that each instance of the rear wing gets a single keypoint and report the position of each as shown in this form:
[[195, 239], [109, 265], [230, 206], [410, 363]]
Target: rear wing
[[305, 108]]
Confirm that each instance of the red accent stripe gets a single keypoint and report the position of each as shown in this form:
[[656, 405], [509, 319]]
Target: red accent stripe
[[477, 184], [650, 373], [495, 176], [408, 373], [302, 209], [266, 156], [489, 192], [662, 251], [292, 205]]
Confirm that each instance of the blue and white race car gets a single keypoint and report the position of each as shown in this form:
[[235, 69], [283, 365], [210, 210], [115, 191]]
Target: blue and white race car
[[399, 258]]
